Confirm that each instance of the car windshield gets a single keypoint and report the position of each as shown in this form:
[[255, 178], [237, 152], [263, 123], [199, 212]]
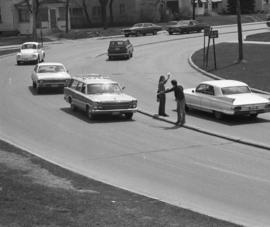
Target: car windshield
[[183, 22], [51, 69], [235, 90], [117, 43], [29, 46], [103, 88]]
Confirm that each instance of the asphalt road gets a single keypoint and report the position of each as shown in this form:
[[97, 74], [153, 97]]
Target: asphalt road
[[189, 169]]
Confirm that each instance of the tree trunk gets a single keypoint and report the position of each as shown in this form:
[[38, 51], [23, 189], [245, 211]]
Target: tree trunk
[[239, 26], [111, 12], [34, 21], [67, 16], [103, 4], [86, 13]]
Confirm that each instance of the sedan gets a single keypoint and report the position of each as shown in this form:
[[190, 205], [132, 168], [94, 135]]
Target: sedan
[[185, 26], [30, 52], [49, 75], [120, 48], [229, 97], [142, 29]]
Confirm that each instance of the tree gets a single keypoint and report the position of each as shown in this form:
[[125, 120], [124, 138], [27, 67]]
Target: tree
[[111, 12], [239, 26], [247, 6], [86, 13], [103, 4], [35, 7]]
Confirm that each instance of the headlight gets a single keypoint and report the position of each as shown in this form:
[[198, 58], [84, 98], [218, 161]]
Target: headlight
[[34, 55], [134, 103], [97, 106]]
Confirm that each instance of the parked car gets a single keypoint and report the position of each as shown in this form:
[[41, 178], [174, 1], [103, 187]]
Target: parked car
[[229, 97], [185, 26], [30, 52], [96, 94], [49, 75], [120, 48], [142, 29]]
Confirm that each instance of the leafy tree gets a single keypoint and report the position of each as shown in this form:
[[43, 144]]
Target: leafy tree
[[247, 6], [34, 11]]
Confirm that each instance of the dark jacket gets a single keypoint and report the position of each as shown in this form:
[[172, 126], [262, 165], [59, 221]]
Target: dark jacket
[[178, 92]]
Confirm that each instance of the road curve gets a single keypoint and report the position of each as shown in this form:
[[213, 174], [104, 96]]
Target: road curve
[[182, 167]]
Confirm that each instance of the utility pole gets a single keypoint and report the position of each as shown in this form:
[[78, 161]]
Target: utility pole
[[193, 9], [239, 26], [67, 16], [34, 21]]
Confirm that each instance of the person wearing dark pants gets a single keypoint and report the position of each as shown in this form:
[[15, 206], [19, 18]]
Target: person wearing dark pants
[[161, 98], [180, 101]]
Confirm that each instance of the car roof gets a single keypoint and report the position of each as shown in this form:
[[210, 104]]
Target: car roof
[[36, 43], [93, 79], [224, 83], [49, 63]]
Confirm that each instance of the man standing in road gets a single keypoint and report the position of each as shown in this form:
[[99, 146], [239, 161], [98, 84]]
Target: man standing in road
[[180, 101]]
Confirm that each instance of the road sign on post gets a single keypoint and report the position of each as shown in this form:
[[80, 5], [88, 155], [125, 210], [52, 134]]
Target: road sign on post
[[206, 33], [213, 34]]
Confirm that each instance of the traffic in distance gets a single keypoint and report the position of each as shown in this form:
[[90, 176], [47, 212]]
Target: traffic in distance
[[96, 94]]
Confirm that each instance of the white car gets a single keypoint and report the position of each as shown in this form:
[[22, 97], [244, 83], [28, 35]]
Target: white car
[[50, 75], [229, 97], [30, 52], [96, 94]]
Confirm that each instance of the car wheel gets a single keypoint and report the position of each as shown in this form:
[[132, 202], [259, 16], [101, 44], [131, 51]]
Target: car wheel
[[131, 54], [129, 116], [110, 57], [18, 62], [89, 113], [253, 116], [34, 85], [187, 108], [38, 89], [170, 33], [218, 115]]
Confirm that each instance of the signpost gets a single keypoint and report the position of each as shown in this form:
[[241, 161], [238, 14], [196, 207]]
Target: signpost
[[212, 34]]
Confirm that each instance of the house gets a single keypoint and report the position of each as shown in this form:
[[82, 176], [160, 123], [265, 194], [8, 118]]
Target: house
[[16, 15]]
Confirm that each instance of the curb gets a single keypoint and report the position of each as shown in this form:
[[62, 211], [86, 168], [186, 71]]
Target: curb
[[218, 135]]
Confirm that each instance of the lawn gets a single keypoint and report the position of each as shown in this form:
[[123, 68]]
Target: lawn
[[254, 70], [260, 37], [34, 192]]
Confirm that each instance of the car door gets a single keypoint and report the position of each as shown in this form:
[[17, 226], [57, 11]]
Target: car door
[[198, 96], [208, 99], [80, 100]]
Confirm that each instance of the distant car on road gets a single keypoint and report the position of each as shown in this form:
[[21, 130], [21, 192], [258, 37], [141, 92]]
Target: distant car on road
[[185, 26], [120, 48], [142, 29], [49, 75], [228, 97], [96, 94], [30, 52]]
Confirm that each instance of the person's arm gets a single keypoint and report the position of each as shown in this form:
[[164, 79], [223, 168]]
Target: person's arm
[[168, 77], [166, 91]]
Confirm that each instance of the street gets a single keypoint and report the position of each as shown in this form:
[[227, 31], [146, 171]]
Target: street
[[176, 165]]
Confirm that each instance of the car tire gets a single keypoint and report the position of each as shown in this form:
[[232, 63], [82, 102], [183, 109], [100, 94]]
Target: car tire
[[253, 116], [38, 89], [131, 54], [89, 113], [187, 108], [18, 63], [34, 85], [218, 115], [128, 116], [170, 33], [110, 58]]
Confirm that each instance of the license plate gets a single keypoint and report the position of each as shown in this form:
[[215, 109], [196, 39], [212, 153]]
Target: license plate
[[115, 113]]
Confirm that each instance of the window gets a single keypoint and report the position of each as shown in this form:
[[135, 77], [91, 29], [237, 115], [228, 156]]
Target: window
[[24, 15], [74, 84], [122, 9], [77, 12], [62, 13], [96, 11], [79, 86]]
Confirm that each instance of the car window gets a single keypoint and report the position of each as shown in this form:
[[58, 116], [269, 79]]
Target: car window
[[29, 46], [51, 68], [103, 88], [117, 43], [74, 84], [83, 88], [137, 25], [235, 90], [201, 88], [79, 86]]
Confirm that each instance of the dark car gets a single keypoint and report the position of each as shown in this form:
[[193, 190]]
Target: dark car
[[120, 48], [142, 29], [185, 26]]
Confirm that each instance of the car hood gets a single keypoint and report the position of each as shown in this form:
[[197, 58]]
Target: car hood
[[59, 75], [121, 97], [28, 51], [245, 99]]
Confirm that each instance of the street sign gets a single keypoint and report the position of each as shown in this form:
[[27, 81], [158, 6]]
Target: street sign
[[207, 31], [213, 34]]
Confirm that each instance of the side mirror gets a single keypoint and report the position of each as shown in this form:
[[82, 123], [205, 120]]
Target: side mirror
[[193, 91]]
